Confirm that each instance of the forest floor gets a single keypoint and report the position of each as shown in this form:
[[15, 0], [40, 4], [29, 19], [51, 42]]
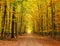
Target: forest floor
[[30, 40]]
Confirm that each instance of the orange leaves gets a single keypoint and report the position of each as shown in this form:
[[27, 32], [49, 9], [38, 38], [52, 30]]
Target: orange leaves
[[52, 3]]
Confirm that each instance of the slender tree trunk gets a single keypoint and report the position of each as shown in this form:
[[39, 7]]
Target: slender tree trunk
[[3, 20], [12, 31], [46, 17], [53, 24]]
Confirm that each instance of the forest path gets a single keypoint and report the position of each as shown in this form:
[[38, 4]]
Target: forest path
[[31, 40]]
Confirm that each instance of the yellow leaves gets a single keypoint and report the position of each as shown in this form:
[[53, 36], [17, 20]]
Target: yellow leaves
[[30, 6], [31, 0], [18, 8], [48, 1], [11, 0], [28, 17], [32, 12]]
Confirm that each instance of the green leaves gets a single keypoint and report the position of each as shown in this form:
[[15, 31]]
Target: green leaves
[[24, 10], [14, 4]]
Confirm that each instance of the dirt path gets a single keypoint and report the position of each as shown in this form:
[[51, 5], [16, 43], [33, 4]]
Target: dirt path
[[31, 40]]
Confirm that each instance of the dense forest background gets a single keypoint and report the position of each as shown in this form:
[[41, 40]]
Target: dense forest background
[[25, 16]]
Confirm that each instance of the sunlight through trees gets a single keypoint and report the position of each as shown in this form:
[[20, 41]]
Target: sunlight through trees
[[29, 16]]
